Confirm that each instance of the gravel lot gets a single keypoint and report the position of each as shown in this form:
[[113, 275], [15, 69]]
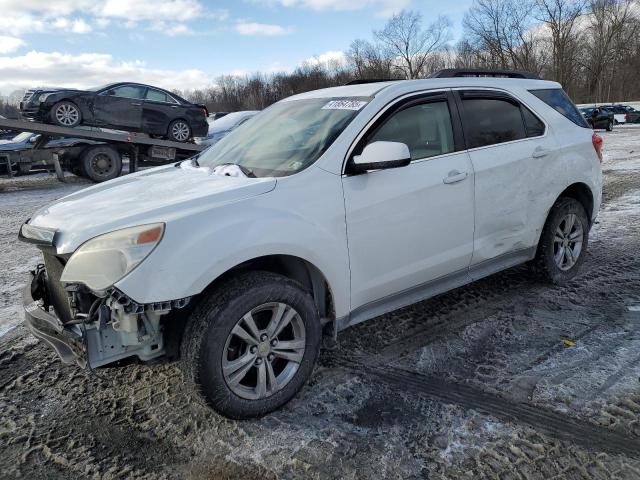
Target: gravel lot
[[476, 383]]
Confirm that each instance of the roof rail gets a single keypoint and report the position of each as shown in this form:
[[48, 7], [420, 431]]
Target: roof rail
[[361, 81], [482, 72]]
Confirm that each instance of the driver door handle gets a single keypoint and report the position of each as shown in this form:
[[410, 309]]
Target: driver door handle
[[454, 177]]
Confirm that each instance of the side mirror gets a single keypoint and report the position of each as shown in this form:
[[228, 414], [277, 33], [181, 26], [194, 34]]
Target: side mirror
[[595, 113], [380, 155], [33, 139]]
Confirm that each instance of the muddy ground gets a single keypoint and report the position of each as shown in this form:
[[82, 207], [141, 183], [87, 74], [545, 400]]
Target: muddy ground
[[476, 383]]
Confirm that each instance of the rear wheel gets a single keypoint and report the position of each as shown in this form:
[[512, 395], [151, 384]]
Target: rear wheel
[[100, 163], [563, 243], [250, 346], [179, 131], [66, 114]]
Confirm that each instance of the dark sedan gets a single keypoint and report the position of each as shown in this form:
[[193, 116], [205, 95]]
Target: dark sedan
[[123, 106], [598, 117]]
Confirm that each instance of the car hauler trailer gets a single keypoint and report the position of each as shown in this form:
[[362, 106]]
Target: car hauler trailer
[[97, 161]]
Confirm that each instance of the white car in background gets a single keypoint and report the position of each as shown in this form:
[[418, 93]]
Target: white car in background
[[224, 125], [328, 208]]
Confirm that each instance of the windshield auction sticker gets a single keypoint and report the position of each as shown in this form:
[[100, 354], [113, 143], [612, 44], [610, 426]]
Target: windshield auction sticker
[[344, 105]]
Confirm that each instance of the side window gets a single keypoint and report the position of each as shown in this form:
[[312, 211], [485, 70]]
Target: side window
[[129, 91], [156, 95], [425, 129], [491, 120], [533, 124]]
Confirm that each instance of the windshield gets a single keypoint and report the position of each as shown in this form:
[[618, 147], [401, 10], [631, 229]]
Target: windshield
[[21, 137], [229, 121], [97, 89], [285, 138]]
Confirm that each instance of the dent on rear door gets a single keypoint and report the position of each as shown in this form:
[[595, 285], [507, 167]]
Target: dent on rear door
[[513, 191]]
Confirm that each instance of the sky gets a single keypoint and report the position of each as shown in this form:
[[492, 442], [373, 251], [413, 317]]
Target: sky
[[184, 44]]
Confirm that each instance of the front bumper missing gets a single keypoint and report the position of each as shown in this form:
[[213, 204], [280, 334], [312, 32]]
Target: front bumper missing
[[66, 341]]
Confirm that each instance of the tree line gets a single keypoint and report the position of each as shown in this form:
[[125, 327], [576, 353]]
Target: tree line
[[592, 47]]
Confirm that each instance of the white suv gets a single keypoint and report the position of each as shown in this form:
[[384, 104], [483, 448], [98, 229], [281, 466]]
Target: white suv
[[328, 208]]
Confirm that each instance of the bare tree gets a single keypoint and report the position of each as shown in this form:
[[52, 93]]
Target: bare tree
[[612, 23], [560, 18], [409, 44], [503, 29], [369, 61]]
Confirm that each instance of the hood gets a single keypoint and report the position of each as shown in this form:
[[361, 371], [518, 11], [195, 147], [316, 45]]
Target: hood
[[157, 195], [8, 145]]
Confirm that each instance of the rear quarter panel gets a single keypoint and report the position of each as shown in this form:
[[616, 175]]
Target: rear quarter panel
[[575, 160]]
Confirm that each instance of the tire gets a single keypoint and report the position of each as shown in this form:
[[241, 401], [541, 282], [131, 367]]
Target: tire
[[179, 131], [609, 126], [100, 163], [550, 263], [210, 345], [66, 114]]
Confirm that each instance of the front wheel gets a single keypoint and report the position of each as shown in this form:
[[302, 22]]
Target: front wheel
[[609, 126], [66, 114], [179, 131], [249, 347], [563, 243]]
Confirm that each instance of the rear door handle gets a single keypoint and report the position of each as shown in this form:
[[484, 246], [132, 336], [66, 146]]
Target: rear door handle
[[135, 104], [454, 176], [540, 152]]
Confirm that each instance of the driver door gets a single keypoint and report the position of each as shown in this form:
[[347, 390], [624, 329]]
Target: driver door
[[411, 226], [120, 107]]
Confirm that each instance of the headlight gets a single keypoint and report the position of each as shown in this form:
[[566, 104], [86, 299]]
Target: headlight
[[43, 97], [103, 260]]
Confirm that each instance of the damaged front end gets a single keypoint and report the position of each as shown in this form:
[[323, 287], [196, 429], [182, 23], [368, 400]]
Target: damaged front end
[[91, 328]]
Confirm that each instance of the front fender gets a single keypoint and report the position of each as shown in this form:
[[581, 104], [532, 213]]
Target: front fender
[[197, 249]]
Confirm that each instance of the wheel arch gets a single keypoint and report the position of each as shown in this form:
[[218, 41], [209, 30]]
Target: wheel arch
[[583, 194], [293, 267]]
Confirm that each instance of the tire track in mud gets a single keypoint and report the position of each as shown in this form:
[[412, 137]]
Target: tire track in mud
[[562, 427]]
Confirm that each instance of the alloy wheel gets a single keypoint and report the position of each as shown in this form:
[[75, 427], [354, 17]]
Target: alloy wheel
[[67, 114], [180, 131], [264, 350], [567, 242]]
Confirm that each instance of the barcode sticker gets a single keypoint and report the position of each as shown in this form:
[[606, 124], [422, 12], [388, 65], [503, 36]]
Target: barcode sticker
[[344, 105]]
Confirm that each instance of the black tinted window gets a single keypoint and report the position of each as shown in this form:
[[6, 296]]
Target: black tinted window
[[557, 99], [533, 124], [425, 129], [128, 91], [490, 120], [156, 95]]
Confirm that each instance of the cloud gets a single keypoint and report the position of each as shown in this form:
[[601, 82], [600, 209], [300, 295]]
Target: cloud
[[89, 70], [10, 44], [74, 26], [265, 29], [326, 59], [385, 7], [171, 29], [20, 17], [168, 10]]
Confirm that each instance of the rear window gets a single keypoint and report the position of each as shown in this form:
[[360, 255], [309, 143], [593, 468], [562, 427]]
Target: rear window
[[557, 99], [492, 120]]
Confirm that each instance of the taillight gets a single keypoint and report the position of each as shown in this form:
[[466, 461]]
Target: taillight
[[205, 111], [597, 145], [627, 118]]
